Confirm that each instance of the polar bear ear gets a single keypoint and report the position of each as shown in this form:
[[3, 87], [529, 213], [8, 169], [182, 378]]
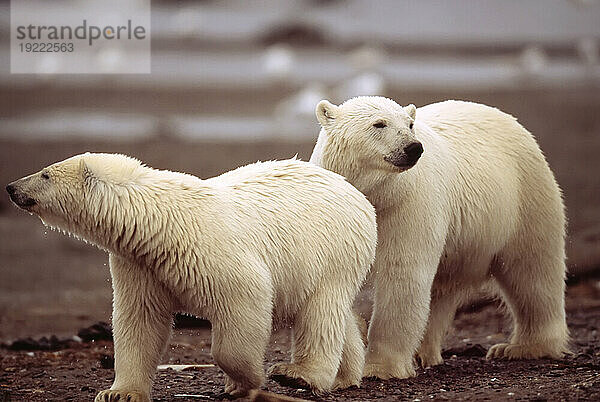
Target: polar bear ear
[[411, 110], [326, 112]]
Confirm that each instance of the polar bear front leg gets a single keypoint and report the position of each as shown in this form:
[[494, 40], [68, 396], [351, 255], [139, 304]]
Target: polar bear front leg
[[142, 319], [401, 309]]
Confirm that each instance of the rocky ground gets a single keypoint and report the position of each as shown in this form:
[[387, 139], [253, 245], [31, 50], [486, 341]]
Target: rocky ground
[[82, 369]]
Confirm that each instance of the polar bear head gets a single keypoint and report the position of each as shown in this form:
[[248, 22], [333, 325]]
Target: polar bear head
[[366, 134], [78, 194]]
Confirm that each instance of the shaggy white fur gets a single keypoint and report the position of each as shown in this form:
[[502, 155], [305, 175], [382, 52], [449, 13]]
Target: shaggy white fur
[[268, 243], [480, 208]]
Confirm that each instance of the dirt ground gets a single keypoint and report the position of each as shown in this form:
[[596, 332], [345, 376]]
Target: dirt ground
[[78, 372]]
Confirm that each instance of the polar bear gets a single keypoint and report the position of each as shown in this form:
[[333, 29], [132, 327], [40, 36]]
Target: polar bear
[[268, 243], [465, 200]]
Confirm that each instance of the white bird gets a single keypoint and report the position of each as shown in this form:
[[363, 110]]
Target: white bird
[[49, 63], [295, 115], [109, 58], [278, 62], [533, 59], [187, 22], [369, 83], [366, 58], [587, 48]]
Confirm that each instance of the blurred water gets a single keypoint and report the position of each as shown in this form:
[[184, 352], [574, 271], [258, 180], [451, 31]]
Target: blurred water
[[345, 48], [401, 22], [65, 125]]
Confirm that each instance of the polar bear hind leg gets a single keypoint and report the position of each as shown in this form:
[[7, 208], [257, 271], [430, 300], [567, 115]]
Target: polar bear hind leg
[[532, 285], [240, 355], [239, 340], [353, 355], [444, 303], [318, 340]]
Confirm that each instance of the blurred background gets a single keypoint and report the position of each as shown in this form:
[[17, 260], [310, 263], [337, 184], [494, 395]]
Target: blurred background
[[234, 82]]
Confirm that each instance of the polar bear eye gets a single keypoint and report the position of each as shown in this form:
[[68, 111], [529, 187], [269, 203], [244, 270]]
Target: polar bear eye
[[45, 176], [379, 124], [411, 125]]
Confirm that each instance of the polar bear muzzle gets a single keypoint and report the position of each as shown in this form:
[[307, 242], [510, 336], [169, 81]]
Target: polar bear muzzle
[[406, 157], [20, 199]]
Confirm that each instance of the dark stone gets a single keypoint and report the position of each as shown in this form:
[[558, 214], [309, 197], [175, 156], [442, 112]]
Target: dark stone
[[107, 362], [465, 351], [294, 33], [101, 331], [52, 343]]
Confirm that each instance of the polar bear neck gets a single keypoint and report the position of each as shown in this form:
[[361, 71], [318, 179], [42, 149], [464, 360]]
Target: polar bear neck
[[133, 220], [380, 187]]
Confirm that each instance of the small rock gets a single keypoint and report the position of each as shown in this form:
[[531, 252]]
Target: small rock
[[107, 362]]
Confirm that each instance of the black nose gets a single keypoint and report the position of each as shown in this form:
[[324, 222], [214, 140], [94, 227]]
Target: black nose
[[11, 189], [414, 150]]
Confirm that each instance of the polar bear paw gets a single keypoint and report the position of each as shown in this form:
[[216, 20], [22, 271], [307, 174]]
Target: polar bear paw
[[345, 382], [429, 359], [113, 395], [387, 371], [296, 376], [234, 388], [513, 351], [509, 351]]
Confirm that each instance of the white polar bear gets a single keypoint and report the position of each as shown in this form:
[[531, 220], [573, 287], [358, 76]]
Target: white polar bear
[[480, 208], [268, 243]]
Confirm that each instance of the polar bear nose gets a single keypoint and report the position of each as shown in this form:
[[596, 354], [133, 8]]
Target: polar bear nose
[[414, 150], [11, 189]]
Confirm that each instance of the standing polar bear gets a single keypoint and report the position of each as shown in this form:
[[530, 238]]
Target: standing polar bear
[[464, 200], [264, 244]]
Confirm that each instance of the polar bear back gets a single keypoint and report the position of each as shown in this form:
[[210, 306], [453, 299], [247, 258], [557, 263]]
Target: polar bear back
[[496, 179], [294, 205], [287, 222]]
